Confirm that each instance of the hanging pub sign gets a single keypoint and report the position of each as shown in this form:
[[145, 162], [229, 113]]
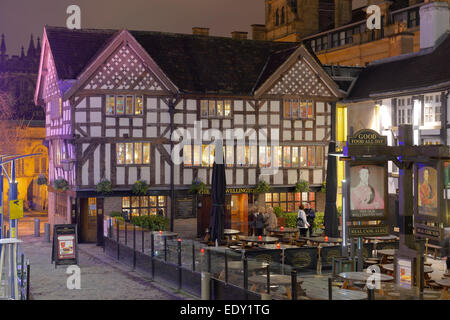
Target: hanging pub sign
[[368, 191], [65, 244], [367, 137]]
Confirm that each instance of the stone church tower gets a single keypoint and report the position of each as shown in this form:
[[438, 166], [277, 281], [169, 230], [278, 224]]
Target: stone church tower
[[291, 20]]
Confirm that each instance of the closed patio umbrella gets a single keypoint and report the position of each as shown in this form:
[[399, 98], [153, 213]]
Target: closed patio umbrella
[[218, 187], [331, 216]]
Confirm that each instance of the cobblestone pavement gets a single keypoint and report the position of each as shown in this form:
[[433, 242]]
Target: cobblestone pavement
[[102, 278]]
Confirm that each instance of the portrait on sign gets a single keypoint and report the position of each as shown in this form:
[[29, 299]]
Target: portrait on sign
[[367, 191], [428, 190]]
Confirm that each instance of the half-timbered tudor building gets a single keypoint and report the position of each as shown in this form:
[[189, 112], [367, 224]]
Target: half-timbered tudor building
[[114, 98]]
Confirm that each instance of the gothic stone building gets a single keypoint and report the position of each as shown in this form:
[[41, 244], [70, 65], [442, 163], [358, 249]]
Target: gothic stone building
[[113, 99]]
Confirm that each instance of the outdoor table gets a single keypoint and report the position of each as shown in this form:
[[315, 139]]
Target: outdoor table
[[256, 239], [349, 277], [385, 253], [320, 241], [165, 234], [390, 267], [274, 246], [382, 238], [275, 280], [251, 265], [445, 283], [289, 232], [229, 233]]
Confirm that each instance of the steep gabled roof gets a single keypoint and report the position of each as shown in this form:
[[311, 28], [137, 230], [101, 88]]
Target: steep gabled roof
[[423, 69]]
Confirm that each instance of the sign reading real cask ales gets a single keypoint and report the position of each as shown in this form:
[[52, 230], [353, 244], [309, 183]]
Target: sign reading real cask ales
[[368, 231], [367, 137]]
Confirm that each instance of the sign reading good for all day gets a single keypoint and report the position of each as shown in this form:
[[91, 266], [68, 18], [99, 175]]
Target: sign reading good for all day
[[367, 137]]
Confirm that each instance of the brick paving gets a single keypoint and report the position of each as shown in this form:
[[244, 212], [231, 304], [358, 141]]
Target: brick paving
[[102, 278]]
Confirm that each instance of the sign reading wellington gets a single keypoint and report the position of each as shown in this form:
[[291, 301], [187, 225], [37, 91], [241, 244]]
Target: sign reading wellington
[[65, 244]]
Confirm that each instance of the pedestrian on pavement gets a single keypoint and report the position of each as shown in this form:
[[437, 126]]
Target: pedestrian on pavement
[[310, 216], [259, 222], [272, 221], [302, 223]]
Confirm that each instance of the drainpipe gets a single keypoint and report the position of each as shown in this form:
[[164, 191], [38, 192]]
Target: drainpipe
[[172, 103]]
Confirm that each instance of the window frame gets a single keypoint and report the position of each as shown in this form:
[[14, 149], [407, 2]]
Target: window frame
[[122, 160], [113, 111]]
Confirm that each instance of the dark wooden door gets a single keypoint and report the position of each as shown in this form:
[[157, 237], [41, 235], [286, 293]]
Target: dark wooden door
[[203, 214], [100, 222]]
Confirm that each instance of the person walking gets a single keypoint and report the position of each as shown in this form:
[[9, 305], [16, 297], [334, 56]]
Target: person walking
[[259, 222], [310, 216], [302, 223], [272, 221]]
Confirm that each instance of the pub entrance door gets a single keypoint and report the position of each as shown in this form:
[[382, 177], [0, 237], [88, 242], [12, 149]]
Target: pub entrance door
[[239, 212], [88, 219]]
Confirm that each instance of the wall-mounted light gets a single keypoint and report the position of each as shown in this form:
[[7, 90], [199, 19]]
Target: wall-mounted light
[[199, 204]]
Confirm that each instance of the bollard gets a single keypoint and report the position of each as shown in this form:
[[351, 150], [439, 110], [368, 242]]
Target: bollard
[[206, 283], [47, 232], [37, 227], [330, 289], [294, 284]]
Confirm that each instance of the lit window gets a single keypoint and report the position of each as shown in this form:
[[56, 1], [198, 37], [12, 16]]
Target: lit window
[[145, 205], [287, 157], [129, 106], [120, 104], [120, 153], [187, 155], [133, 153], [296, 109], [215, 109], [139, 105], [110, 105], [138, 153], [294, 157], [197, 155]]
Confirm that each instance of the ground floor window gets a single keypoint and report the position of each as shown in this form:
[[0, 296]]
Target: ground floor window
[[143, 206], [290, 201]]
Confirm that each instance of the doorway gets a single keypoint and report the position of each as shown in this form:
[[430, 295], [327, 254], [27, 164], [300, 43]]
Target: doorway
[[89, 220], [239, 212]]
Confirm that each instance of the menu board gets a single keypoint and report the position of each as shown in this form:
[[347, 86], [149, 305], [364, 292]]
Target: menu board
[[65, 244], [404, 273]]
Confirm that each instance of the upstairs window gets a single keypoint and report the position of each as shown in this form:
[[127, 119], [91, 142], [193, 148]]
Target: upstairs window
[[55, 108], [215, 108], [124, 105], [133, 153], [432, 110], [298, 109], [404, 110]]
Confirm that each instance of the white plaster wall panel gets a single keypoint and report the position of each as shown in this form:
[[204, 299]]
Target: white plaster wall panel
[[124, 122], [97, 160], [96, 102], [108, 161], [179, 106], [252, 176], [317, 176], [120, 178], [81, 105], [110, 133], [85, 146], [329, 120], [239, 176], [320, 134], [292, 177], [152, 117], [167, 147], [191, 118], [320, 120], [287, 135], [137, 122], [178, 118], [320, 106], [191, 104], [275, 106], [275, 119], [265, 178], [165, 117], [297, 135], [157, 167], [215, 124], [96, 117], [251, 120], [151, 132], [308, 135], [124, 131], [132, 175], [96, 131], [80, 117], [137, 133], [110, 121], [238, 119], [85, 174], [238, 105], [166, 173], [202, 175], [263, 108], [176, 173], [163, 105], [287, 124], [278, 177], [308, 124], [145, 173], [229, 176], [304, 175], [187, 176], [249, 107], [152, 103], [262, 119]]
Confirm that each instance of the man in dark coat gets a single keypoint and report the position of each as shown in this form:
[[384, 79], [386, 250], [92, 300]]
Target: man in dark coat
[[310, 216]]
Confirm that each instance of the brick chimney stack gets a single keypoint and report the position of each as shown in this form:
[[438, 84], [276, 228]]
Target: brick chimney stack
[[239, 35], [342, 12], [434, 22], [258, 32], [197, 31]]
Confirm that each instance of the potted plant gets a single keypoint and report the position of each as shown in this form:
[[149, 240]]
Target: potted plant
[[324, 187], [263, 187], [197, 187], [302, 186], [281, 220], [104, 187], [42, 180], [61, 184], [140, 188]]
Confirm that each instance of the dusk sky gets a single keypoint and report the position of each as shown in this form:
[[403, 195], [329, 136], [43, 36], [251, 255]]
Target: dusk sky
[[20, 18]]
